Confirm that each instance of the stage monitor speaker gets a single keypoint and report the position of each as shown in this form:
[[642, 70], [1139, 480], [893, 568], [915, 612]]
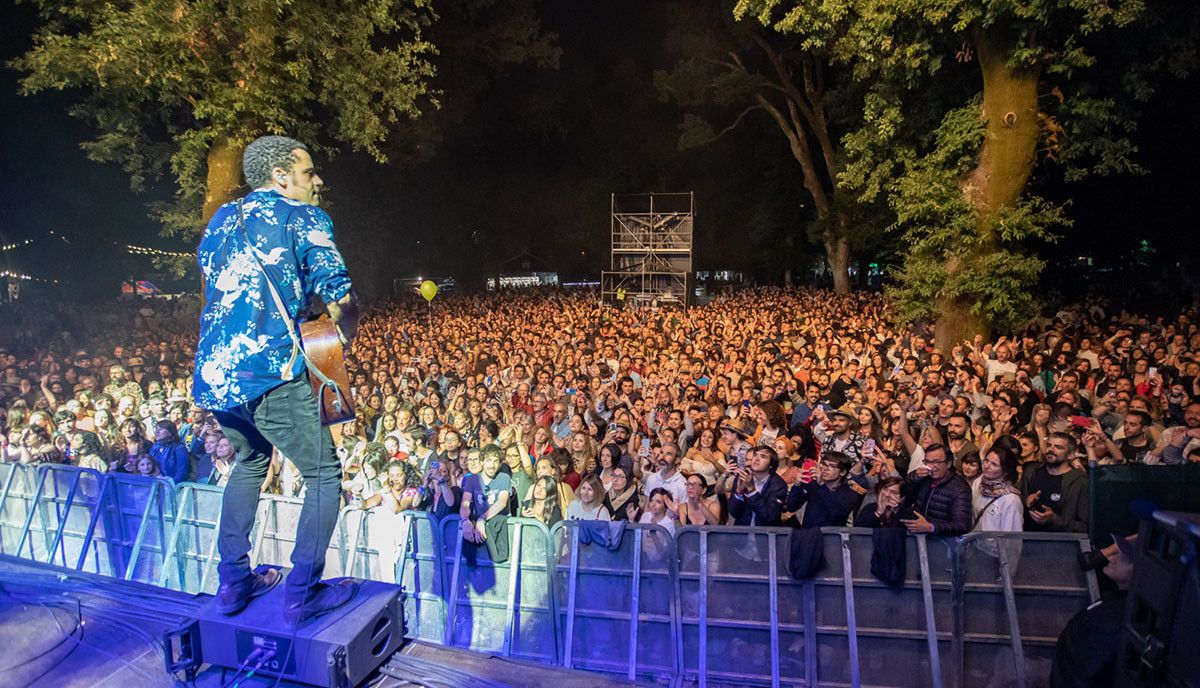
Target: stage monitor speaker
[[337, 650], [1162, 616]]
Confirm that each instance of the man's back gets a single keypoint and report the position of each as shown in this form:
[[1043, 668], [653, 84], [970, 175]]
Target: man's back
[[244, 343]]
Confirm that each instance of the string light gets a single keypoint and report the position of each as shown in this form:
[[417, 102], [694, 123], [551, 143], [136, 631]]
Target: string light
[[159, 253], [15, 244], [19, 276]]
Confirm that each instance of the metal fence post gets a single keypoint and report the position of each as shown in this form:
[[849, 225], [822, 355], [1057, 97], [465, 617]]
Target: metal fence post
[[851, 622], [1014, 626], [773, 601], [635, 603], [514, 576], [572, 592], [935, 655]]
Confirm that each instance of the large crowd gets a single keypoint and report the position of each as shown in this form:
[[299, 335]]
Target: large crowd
[[765, 407]]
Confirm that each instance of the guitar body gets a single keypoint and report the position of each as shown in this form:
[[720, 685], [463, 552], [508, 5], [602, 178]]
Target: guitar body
[[323, 347]]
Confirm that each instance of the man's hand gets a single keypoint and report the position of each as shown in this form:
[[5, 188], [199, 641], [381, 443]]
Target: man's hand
[[917, 525], [1043, 516], [1032, 499], [344, 313]]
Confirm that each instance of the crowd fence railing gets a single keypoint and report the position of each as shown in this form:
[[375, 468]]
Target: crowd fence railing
[[714, 605]]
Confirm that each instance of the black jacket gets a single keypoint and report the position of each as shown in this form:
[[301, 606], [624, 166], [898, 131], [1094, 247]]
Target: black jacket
[[763, 508], [946, 505], [826, 508]]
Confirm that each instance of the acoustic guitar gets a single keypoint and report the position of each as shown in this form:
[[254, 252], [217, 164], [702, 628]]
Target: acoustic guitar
[[323, 346]]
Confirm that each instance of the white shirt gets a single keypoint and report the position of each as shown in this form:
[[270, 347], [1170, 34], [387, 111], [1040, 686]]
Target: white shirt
[[576, 511], [676, 485], [1005, 514]]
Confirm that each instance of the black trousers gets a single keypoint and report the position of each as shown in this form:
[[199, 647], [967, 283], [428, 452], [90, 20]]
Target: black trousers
[[286, 417]]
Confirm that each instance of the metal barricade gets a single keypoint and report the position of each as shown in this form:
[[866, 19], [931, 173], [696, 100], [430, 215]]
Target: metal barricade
[[502, 607], [746, 620], [63, 520], [191, 559], [404, 548], [1016, 593], [274, 535], [419, 572], [137, 515], [864, 628], [17, 481], [614, 594]]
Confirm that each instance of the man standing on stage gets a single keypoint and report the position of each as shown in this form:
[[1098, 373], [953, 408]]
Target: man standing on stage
[[249, 373]]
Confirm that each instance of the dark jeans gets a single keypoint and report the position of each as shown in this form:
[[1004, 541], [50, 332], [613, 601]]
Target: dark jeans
[[288, 418]]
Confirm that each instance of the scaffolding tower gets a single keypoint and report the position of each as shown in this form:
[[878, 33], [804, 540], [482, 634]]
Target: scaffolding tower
[[651, 249]]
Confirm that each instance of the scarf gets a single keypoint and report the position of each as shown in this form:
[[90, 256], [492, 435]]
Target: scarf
[[996, 488], [618, 499]]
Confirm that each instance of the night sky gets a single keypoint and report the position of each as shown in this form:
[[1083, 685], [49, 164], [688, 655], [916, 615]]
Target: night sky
[[529, 169]]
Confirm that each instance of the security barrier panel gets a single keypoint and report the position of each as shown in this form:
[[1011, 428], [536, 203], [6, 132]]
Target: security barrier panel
[[17, 482], [614, 597], [63, 520], [1017, 591], [137, 514], [501, 607], [274, 536], [191, 564], [420, 574], [713, 605]]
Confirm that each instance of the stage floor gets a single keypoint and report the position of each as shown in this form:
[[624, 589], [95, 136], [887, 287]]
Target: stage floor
[[70, 630]]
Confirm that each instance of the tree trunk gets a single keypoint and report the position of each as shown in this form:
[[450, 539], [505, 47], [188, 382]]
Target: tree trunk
[[837, 249], [1006, 162], [224, 176], [787, 278]]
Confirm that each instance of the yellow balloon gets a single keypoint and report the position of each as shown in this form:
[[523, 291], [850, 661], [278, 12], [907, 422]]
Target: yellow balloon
[[428, 290]]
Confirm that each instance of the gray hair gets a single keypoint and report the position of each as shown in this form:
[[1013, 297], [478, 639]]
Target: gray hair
[[264, 154]]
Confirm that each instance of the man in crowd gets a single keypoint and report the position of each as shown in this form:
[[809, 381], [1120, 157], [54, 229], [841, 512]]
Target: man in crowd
[[828, 501], [758, 491], [942, 499], [1055, 493]]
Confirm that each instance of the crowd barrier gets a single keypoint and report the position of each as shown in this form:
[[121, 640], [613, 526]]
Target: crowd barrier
[[712, 605]]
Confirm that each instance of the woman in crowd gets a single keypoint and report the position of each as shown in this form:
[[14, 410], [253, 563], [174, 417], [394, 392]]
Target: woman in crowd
[[996, 501], [889, 508], [89, 453], [132, 444], [543, 503], [970, 465], [700, 508], [589, 502], [656, 511], [789, 470], [147, 466], [169, 452], [609, 458], [542, 444], [623, 498], [583, 454], [704, 458], [442, 489], [224, 459]]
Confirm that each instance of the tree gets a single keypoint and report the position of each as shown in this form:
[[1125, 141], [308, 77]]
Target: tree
[[955, 143], [185, 85], [733, 64]]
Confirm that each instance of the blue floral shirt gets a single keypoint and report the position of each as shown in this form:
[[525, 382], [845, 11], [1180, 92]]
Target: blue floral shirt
[[244, 342]]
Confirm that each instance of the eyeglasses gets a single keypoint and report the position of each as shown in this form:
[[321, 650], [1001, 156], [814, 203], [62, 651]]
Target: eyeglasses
[[936, 463]]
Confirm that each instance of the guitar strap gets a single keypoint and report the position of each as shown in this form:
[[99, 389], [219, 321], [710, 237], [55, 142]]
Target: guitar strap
[[297, 347]]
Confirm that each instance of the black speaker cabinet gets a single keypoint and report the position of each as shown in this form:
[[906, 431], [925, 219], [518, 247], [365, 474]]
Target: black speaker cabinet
[[337, 650], [1162, 617]]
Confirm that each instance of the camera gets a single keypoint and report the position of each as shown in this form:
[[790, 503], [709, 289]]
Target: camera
[[1092, 560]]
